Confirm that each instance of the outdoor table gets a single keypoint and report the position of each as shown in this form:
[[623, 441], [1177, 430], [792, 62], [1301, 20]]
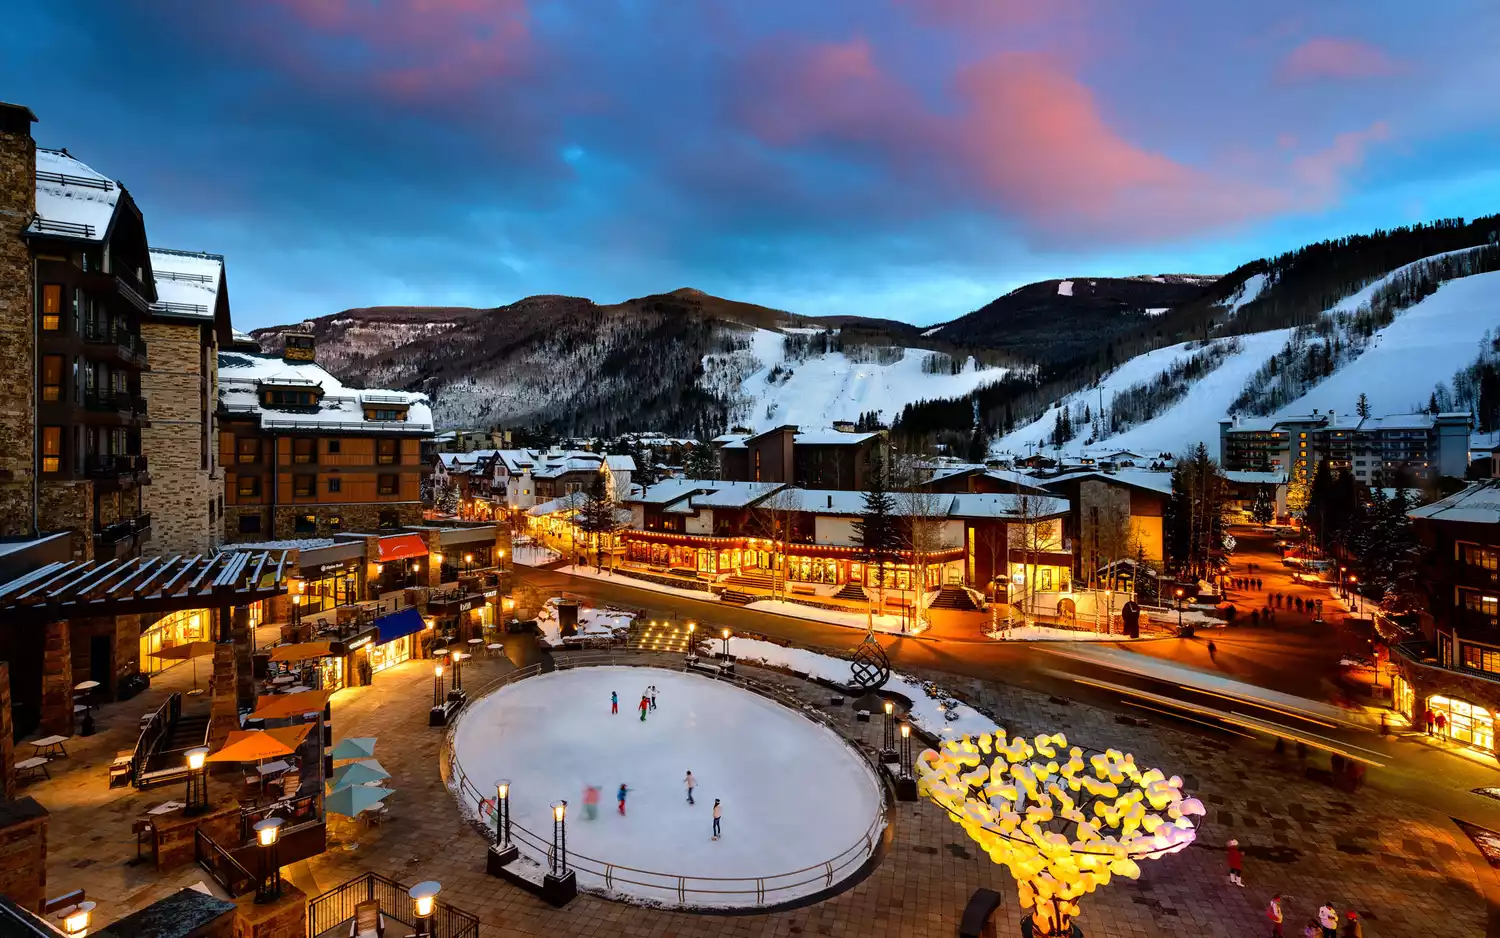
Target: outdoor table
[[86, 685], [283, 679], [494, 647], [298, 689], [50, 746], [32, 765], [166, 807], [476, 641], [374, 814], [269, 768]]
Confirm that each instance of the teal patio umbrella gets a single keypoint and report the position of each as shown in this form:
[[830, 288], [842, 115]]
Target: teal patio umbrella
[[354, 799], [358, 773], [355, 747]]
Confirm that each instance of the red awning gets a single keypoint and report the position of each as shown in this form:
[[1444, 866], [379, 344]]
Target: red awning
[[401, 547]]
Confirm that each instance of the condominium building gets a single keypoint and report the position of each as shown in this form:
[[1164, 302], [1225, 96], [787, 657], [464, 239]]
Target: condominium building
[[1375, 449]]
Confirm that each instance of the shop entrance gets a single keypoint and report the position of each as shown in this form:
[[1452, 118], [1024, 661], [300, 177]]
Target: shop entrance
[[1468, 723]]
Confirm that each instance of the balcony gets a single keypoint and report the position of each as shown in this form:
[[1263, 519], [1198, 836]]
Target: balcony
[[126, 346], [118, 539], [118, 402], [113, 465]]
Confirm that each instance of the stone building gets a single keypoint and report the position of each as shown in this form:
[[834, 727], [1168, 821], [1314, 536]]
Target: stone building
[[184, 330], [75, 287], [305, 456]]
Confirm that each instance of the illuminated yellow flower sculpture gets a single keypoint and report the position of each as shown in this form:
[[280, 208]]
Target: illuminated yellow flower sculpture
[[1061, 821]]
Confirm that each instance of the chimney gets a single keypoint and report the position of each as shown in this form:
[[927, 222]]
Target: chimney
[[298, 347]]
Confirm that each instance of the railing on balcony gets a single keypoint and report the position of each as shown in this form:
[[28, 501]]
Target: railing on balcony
[[335, 909], [114, 401], [104, 333], [223, 868], [113, 464]]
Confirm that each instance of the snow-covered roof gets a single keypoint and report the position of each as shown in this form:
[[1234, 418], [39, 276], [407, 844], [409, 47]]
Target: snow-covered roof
[[731, 440], [341, 408], [735, 494], [1246, 477], [187, 283], [1009, 507], [1477, 504], [573, 501], [1408, 421], [1012, 477], [73, 200], [828, 436], [1151, 479], [296, 543], [560, 464], [516, 461], [620, 463], [668, 491]]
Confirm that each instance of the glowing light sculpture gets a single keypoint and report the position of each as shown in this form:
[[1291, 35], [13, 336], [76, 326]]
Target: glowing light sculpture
[[1063, 823]]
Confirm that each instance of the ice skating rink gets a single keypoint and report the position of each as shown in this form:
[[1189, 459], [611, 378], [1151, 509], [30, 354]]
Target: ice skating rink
[[794, 795]]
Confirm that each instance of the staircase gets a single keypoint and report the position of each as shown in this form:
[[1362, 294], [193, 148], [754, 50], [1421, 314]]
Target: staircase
[[760, 581], [953, 597], [167, 762], [658, 636], [852, 592]]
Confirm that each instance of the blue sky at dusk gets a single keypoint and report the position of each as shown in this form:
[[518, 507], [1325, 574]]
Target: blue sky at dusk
[[902, 158]]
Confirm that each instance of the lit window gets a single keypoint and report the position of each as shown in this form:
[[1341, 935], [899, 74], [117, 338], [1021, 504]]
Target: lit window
[[51, 307], [52, 367], [51, 449]]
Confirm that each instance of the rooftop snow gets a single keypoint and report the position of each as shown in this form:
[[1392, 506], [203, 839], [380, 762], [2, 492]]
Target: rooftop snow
[[1252, 478], [1153, 480], [241, 374], [620, 463], [1477, 504], [735, 494], [1065, 288], [1012, 507], [187, 284], [72, 198], [827, 436]]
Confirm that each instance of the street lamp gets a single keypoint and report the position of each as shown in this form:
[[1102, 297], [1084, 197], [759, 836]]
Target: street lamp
[[1354, 585], [888, 736], [197, 781], [424, 903], [437, 684], [468, 563], [296, 609], [559, 838], [1179, 608], [725, 635], [267, 833], [502, 812], [76, 922], [458, 671], [906, 750]]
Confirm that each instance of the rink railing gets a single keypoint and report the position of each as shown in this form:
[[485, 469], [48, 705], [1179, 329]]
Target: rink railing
[[766, 890]]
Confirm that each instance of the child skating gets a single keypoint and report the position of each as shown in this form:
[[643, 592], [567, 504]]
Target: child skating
[[590, 802], [621, 795], [614, 702], [718, 812], [690, 783], [644, 704]]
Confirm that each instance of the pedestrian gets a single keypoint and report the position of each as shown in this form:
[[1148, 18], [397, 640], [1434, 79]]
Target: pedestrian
[[690, 783], [614, 702], [1442, 725], [651, 692], [1255, 617], [1328, 920], [1259, 583], [718, 812], [645, 704], [590, 802], [1427, 718], [621, 796], [1385, 729], [1212, 650], [1273, 912], [1353, 927], [1236, 863]]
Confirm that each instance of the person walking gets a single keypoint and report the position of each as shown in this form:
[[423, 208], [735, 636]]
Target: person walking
[[1442, 725], [1274, 913], [718, 813], [651, 693], [614, 702], [1328, 920], [690, 783], [1427, 718], [1213, 651], [1236, 863], [645, 703], [621, 796], [590, 802], [1353, 927]]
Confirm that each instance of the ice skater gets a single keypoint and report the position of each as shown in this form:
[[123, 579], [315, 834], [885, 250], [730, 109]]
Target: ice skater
[[651, 694], [690, 783], [590, 802], [645, 703], [614, 702], [718, 812], [621, 796]]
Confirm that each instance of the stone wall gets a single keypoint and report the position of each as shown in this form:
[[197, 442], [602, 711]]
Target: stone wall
[[356, 517], [175, 445], [57, 680], [1429, 680], [23, 852], [69, 506], [17, 334]]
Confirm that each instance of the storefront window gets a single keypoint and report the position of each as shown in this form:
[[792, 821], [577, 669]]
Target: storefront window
[[389, 654], [1402, 697], [178, 628], [340, 588], [331, 672], [1468, 723]]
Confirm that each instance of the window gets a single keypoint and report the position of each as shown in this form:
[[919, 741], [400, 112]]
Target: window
[[304, 451], [306, 524], [389, 520], [52, 371], [51, 449], [335, 484], [333, 446], [1479, 658], [249, 486], [384, 414], [387, 485], [289, 399], [304, 486], [51, 307], [385, 452], [335, 523], [247, 450], [249, 524]]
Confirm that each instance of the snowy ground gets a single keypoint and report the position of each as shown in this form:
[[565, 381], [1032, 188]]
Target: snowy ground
[[533, 555], [623, 580], [1041, 633], [854, 620], [927, 712], [592, 622], [794, 794]]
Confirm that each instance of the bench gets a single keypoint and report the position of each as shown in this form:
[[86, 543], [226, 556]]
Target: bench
[[801, 590], [975, 922]]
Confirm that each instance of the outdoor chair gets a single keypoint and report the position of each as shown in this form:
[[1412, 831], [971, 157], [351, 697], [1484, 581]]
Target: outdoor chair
[[368, 922]]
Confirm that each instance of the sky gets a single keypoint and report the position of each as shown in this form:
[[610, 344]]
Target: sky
[[910, 159]]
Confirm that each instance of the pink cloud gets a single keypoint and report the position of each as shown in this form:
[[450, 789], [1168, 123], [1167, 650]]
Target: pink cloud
[[1321, 172], [1328, 58]]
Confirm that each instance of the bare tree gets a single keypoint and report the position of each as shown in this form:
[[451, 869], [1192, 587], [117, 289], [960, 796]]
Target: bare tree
[[1033, 534], [774, 519], [923, 515]]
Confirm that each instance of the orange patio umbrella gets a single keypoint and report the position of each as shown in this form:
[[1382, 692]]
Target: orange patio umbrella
[[186, 650], [300, 651], [255, 745], [284, 706]]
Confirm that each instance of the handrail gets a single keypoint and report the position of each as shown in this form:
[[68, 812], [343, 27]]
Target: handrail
[[221, 865], [337, 906], [152, 733], [825, 872]]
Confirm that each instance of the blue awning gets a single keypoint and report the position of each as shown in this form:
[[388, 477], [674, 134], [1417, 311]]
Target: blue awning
[[391, 627]]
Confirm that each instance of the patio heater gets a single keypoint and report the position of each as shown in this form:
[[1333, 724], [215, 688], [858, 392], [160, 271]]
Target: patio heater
[[502, 851], [268, 835], [468, 563], [725, 635], [296, 609], [1179, 608], [424, 903], [197, 781]]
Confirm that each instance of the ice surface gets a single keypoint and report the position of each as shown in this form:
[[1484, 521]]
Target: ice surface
[[794, 794]]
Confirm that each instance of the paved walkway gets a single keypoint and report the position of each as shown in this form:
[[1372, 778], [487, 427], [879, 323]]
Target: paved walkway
[[1408, 871]]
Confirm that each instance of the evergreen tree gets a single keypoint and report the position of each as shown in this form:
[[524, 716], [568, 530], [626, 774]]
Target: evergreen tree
[[1362, 406], [702, 462], [1195, 513], [596, 517], [645, 466], [876, 539], [1263, 510]]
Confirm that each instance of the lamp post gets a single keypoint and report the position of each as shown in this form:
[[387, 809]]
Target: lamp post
[[1179, 608], [502, 812], [76, 922], [559, 838], [888, 735], [1343, 581], [296, 609], [1354, 585], [437, 684], [267, 833], [468, 563], [458, 670], [424, 903], [197, 781], [906, 750], [411, 573], [725, 636]]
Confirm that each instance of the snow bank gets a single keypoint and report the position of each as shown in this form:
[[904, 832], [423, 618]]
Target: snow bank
[[593, 622], [1041, 633], [533, 555], [620, 579], [854, 620]]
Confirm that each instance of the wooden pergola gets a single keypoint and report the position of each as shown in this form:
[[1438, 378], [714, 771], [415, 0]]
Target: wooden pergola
[[79, 588]]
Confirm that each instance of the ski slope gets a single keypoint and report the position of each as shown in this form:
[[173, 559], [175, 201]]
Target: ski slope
[[1426, 344], [825, 388], [1194, 418]]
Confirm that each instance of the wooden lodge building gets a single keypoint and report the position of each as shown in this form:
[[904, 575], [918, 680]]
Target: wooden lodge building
[[831, 458]]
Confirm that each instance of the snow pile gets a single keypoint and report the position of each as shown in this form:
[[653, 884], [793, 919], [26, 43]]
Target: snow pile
[[850, 619], [593, 622], [1065, 288], [1041, 633], [931, 710], [533, 555], [621, 579], [794, 794]]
